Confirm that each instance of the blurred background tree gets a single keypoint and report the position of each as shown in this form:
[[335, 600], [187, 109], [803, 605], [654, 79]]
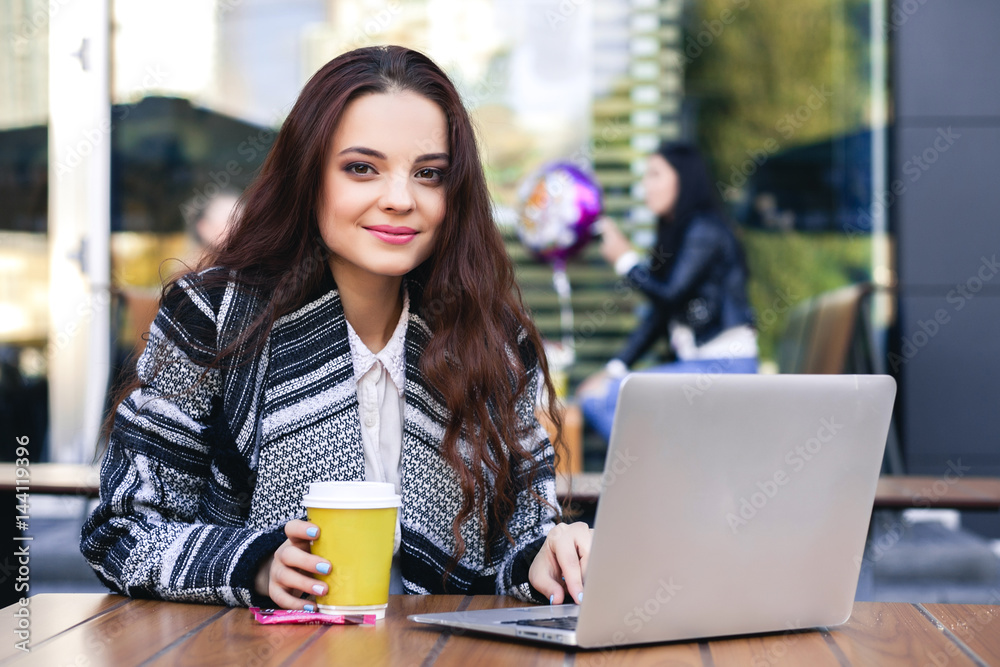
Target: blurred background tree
[[762, 80]]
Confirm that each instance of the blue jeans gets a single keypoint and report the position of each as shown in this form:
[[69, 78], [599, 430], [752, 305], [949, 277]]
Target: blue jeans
[[599, 411]]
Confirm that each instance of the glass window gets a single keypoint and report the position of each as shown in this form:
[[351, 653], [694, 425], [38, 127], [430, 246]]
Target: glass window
[[789, 101], [24, 247]]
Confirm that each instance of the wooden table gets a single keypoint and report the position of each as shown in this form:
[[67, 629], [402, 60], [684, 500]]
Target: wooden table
[[71, 479], [582, 490], [960, 493], [94, 630], [893, 492]]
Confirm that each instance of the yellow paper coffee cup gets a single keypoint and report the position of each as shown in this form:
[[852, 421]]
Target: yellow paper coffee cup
[[357, 528]]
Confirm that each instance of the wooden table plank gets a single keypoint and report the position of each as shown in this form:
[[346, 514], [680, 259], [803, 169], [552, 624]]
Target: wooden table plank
[[788, 648], [986, 487], [979, 493], [56, 478], [686, 654], [109, 630], [894, 492], [126, 635], [471, 648], [236, 638], [51, 614], [890, 634], [583, 487], [395, 640], [978, 626]]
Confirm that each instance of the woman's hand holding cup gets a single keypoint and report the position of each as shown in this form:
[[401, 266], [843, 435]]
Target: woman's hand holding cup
[[288, 574]]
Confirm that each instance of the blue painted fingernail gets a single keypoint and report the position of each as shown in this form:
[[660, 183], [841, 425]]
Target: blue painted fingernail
[[309, 607], [312, 531], [323, 568], [318, 589], [552, 598], [579, 598]]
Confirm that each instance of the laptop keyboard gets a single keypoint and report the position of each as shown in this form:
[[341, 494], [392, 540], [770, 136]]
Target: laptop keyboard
[[562, 623]]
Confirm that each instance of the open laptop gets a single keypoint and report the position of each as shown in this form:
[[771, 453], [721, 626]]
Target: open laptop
[[730, 504]]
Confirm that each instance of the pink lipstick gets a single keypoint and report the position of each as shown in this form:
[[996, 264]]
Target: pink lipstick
[[393, 235]]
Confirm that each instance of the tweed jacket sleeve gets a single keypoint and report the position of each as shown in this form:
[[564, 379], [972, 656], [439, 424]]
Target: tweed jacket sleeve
[[171, 519]]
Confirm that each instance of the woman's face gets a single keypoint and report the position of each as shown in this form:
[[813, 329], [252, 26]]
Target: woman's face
[[661, 185], [383, 196]]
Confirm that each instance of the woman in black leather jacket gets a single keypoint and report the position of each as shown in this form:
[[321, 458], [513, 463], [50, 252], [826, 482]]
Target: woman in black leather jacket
[[695, 280]]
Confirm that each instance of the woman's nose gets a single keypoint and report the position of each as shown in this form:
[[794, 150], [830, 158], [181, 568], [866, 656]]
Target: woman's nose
[[397, 196]]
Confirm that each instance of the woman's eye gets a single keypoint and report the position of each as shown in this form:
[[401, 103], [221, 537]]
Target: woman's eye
[[360, 169], [429, 174]]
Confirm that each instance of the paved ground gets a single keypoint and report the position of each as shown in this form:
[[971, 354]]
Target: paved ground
[[910, 560]]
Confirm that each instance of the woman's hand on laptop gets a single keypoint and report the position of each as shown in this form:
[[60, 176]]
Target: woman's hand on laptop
[[560, 566]]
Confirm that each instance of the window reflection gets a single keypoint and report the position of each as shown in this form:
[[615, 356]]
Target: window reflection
[[780, 96]]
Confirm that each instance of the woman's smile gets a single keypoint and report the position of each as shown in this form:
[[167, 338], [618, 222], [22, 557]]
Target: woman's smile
[[392, 234]]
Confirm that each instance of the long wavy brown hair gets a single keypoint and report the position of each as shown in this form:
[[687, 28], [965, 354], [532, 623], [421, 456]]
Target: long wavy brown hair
[[469, 296]]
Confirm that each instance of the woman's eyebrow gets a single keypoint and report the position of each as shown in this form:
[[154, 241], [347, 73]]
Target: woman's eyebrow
[[431, 157], [371, 152]]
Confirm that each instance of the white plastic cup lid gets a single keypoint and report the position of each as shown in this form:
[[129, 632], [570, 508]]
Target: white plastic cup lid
[[351, 495]]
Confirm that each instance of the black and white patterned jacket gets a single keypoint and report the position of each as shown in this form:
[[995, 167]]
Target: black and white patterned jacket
[[182, 516]]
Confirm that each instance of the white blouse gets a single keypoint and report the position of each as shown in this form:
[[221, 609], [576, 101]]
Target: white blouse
[[381, 381]]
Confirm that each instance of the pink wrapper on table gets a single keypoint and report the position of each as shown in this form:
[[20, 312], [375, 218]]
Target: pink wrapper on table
[[301, 617]]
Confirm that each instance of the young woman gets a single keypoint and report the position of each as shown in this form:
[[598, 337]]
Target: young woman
[[360, 321], [695, 280]]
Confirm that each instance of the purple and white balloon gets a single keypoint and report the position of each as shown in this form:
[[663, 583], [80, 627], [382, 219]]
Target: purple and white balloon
[[559, 205]]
